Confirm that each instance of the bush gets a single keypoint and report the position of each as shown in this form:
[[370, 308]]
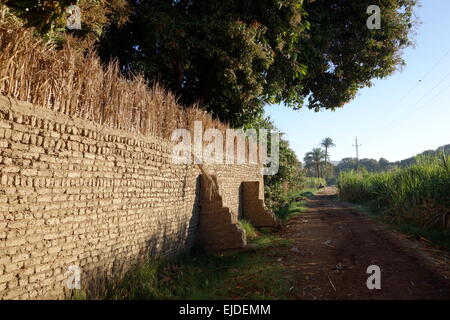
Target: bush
[[418, 194], [250, 231]]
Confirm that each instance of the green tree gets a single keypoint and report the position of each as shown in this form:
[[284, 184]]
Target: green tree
[[370, 165], [49, 17], [289, 175], [315, 158], [383, 164], [346, 164], [327, 143], [235, 56]]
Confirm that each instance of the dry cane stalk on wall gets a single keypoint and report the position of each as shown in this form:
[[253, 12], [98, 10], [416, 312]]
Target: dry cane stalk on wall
[[75, 83]]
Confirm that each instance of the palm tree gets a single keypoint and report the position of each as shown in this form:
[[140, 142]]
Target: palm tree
[[315, 157], [327, 143]]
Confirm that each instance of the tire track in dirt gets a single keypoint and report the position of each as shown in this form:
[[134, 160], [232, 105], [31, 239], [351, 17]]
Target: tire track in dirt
[[333, 244]]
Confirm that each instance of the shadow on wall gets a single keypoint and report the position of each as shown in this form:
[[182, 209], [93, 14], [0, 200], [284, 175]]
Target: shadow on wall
[[219, 228], [163, 244], [254, 209], [241, 201]]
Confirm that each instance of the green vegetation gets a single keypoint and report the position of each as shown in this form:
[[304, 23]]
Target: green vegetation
[[255, 274], [290, 210], [235, 56], [439, 238], [315, 159], [409, 161], [250, 231], [417, 195], [327, 143], [291, 179], [372, 165], [201, 275], [49, 17], [290, 176], [317, 162], [294, 204]]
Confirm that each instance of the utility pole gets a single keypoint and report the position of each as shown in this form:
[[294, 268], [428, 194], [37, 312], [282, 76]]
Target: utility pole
[[356, 145]]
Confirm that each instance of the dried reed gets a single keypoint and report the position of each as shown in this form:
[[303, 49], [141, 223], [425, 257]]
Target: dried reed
[[76, 83]]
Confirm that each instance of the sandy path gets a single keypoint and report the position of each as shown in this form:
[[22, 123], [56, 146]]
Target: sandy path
[[334, 244]]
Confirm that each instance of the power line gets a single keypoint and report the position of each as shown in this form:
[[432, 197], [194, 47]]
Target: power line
[[395, 122], [420, 107], [383, 115], [437, 63], [418, 101]]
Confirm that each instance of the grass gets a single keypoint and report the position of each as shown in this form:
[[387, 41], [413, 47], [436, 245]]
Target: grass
[[417, 195], [438, 238], [292, 207], [202, 275], [414, 200], [250, 231], [199, 275]]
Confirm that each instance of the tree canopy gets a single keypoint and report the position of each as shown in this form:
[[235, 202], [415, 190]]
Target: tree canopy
[[327, 143], [315, 159], [372, 165], [49, 17], [289, 175], [235, 56]]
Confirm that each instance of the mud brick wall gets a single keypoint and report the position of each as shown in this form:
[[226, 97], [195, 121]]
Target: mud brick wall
[[73, 192], [230, 179], [219, 228]]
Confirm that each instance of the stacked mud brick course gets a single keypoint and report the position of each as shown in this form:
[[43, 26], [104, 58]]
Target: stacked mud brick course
[[253, 206], [73, 192]]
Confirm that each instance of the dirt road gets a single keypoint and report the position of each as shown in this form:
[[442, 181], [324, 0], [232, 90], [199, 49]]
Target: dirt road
[[333, 244]]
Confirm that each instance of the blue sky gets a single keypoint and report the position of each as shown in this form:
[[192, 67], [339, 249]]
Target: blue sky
[[397, 117]]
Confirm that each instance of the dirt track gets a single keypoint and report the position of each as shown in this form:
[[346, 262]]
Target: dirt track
[[334, 244]]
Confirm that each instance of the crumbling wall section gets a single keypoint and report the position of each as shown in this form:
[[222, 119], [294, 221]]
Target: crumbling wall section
[[219, 227], [254, 208]]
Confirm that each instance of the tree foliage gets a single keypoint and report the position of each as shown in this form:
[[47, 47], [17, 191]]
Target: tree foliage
[[289, 176], [315, 159], [413, 160], [49, 17], [372, 165], [343, 55], [327, 143], [234, 56]]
